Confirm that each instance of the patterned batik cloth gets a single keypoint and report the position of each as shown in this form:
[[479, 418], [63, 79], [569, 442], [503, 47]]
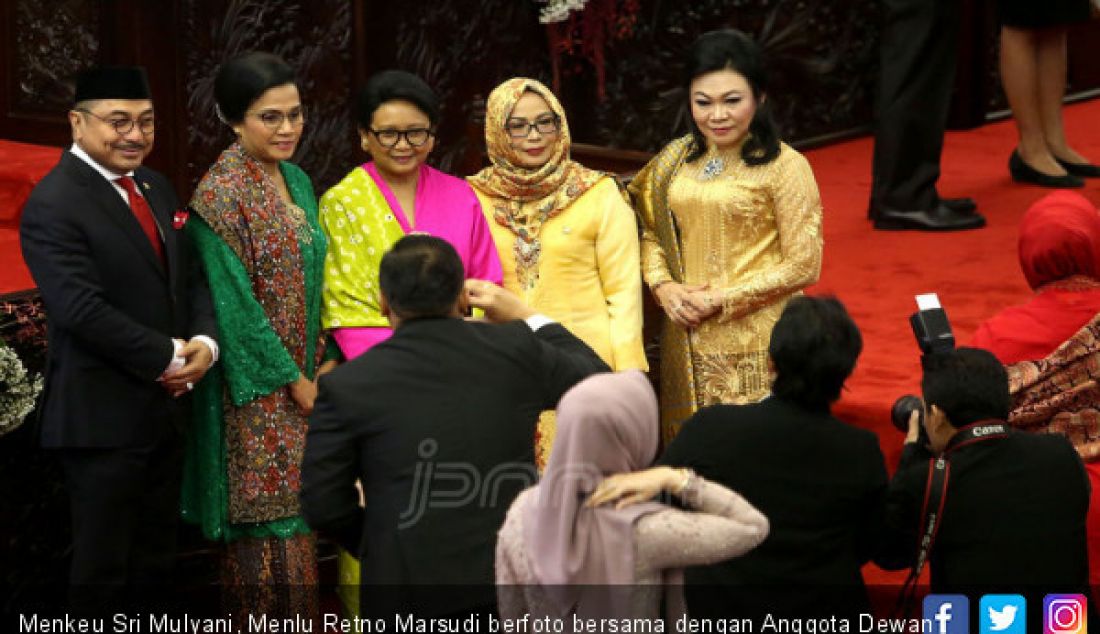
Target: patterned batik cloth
[[1060, 394], [750, 232], [270, 577], [263, 260]]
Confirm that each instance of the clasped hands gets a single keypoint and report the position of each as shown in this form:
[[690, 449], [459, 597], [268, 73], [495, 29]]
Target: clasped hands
[[687, 306], [197, 358]]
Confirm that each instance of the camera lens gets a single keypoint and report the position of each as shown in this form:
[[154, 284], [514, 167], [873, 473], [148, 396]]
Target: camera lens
[[903, 408]]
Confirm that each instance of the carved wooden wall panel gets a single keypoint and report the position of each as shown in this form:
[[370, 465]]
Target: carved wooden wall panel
[[822, 58], [314, 37], [43, 44], [51, 41], [462, 50]]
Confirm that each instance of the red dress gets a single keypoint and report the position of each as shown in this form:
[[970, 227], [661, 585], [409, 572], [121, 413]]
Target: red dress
[[1059, 251]]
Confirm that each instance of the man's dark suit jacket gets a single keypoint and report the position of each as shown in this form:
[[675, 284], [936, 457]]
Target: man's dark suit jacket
[[111, 306], [1014, 518], [819, 481], [438, 423]]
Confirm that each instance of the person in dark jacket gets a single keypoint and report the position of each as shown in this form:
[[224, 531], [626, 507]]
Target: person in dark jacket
[[438, 423], [819, 480], [1014, 504]]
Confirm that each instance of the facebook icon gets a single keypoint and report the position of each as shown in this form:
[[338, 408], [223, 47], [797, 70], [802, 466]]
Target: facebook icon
[[948, 613]]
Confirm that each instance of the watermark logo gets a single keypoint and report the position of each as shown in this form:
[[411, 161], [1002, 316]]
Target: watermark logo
[[451, 485], [441, 485]]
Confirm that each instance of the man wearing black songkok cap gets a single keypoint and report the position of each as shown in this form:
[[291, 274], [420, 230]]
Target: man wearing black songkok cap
[[131, 330]]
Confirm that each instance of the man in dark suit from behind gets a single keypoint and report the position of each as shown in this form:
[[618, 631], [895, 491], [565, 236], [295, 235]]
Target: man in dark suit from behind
[[820, 481], [130, 328], [438, 424], [1013, 518]]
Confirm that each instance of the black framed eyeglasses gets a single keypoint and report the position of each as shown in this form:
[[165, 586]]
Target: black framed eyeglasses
[[123, 125], [521, 128], [415, 137], [273, 119]]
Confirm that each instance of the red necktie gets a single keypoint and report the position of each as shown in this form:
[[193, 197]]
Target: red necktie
[[143, 213]]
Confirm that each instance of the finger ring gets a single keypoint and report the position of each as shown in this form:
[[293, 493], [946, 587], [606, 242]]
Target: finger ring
[[190, 386]]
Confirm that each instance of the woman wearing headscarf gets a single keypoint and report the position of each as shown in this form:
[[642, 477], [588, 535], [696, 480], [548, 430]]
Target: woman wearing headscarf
[[262, 250], [1051, 343], [1059, 250], [731, 229], [394, 194], [567, 240], [587, 540]]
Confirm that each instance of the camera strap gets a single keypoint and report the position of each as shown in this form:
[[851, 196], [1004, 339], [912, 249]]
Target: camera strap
[[935, 497]]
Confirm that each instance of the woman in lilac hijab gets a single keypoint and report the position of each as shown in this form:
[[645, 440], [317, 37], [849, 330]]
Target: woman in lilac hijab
[[587, 541]]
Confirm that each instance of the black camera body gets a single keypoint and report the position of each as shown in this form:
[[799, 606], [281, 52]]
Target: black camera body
[[934, 336]]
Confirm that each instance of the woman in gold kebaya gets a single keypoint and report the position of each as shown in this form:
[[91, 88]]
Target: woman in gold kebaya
[[731, 221]]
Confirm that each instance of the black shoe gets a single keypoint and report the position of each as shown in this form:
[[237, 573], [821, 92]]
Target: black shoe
[[939, 218], [1024, 173], [960, 205], [1084, 170]]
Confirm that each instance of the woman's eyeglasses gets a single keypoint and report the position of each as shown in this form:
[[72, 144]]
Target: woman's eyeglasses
[[521, 128], [273, 119], [416, 137]]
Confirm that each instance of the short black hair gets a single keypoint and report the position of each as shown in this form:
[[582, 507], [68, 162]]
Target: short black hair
[[731, 49], [421, 276], [968, 384], [241, 81], [814, 347], [392, 85]]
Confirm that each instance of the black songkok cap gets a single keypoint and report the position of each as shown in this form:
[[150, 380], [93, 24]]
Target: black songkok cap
[[112, 82]]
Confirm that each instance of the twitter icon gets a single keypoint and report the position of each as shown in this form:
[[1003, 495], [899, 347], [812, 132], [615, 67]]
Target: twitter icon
[[1003, 614]]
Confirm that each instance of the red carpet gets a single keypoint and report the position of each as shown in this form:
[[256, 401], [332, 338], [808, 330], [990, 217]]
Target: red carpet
[[876, 274]]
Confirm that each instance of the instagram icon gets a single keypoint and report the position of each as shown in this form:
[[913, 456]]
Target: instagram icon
[[1065, 614]]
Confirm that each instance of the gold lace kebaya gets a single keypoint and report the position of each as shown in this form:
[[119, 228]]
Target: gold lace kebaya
[[753, 234]]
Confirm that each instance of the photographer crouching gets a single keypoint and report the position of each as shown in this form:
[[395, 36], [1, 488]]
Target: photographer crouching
[[989, 509]]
